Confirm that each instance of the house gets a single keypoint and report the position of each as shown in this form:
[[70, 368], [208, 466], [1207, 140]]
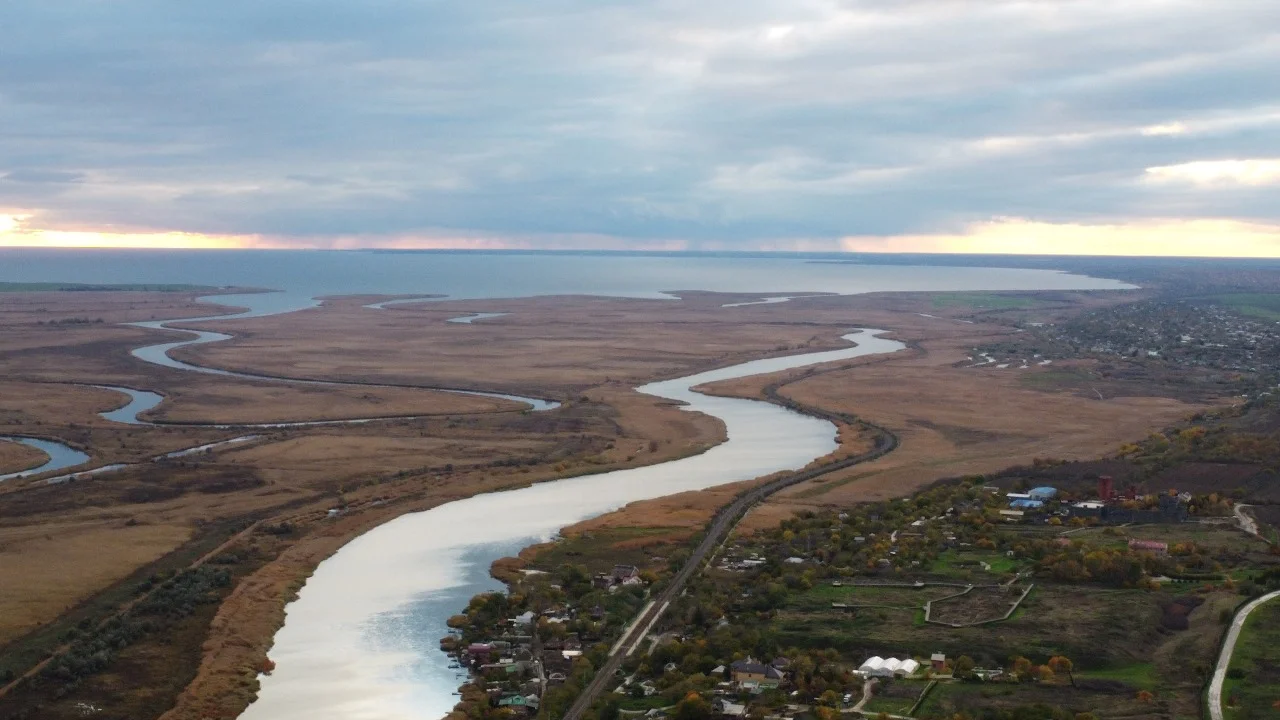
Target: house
[[526, 703], [938, 661], [726, 708], [622, 573], [670, 667], [479, 652], [1043, 493], [754, 671], [1150, 546], [524, 618]]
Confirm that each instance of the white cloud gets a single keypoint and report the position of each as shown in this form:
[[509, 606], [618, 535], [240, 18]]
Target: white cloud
[[1253, 172], [717, 121]]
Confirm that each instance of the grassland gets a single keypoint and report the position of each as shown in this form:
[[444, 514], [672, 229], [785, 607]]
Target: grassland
[[982, 301], [1253, 680], [1265, 306], [16, 457], [588, 352]]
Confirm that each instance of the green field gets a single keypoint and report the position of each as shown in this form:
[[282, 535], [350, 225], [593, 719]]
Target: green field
[[966, 564], [981, 301], [1264, 306], [1257, 656], [1139, 675], [82, 287], [601, 550], [820, 597]]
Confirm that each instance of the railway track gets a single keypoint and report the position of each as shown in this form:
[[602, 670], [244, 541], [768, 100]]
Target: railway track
[[721, 525]]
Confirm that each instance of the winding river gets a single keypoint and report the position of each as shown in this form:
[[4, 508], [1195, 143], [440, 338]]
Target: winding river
[[361, 640], [159, 355]]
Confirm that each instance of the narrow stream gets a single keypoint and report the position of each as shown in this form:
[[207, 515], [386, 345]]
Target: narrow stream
[[361, 640], [159, 355], [60, 456]]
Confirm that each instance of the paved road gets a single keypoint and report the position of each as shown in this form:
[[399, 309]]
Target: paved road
[[1247, 523], [1228, 647]]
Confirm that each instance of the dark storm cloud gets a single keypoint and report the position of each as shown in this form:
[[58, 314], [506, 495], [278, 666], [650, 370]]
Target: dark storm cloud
[[717, 120]]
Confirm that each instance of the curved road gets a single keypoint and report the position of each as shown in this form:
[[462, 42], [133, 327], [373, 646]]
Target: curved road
[[1228, 647]]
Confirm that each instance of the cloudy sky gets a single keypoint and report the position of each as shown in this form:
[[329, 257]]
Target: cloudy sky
[[1142, 126]]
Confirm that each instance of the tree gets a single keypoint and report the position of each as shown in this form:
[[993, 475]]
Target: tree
[[1021, 668], [963, 667], [1145, 696], [1062, 664], [610, 710], [693, 707]]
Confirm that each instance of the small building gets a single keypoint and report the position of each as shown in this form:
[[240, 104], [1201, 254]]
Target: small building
[[938, 661], [1026, 504], [524, 618], [754, 671], [1043, 493], [480, 652], [622, 573], [526, 703], [877, 666], [726, 708], [1151, 546]]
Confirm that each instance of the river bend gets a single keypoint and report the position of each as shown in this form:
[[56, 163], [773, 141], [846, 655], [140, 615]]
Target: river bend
[[361, 640]]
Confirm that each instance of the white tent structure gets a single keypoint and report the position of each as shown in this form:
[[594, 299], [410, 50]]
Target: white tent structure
[[877, 666]]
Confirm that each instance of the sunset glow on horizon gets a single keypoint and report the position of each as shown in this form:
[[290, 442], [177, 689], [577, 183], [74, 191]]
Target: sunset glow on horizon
[[1000, 236]]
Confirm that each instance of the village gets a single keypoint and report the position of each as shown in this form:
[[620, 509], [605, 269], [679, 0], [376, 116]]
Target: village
[[1210, 344], [976, 597]]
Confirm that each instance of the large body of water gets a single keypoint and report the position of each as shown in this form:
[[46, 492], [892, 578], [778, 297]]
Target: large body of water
[[302, 275], [361, 640]]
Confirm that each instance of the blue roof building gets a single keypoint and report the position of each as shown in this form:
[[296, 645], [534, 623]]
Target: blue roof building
[[1026, 504], [1043, 493]]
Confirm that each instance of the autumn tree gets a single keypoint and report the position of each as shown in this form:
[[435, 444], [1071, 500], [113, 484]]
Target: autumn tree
[[1061, 664], [693, 707]]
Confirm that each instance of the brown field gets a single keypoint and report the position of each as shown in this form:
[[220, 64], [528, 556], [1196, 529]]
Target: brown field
[[60, 564], [588, 352], [16, 457], [209, 399]]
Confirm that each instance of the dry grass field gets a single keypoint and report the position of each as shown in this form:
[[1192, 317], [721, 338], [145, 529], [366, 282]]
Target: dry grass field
[[588, 352], [211, 399], [16, 457]]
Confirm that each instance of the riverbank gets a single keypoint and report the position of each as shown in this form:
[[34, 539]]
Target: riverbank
[[16, 457]]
